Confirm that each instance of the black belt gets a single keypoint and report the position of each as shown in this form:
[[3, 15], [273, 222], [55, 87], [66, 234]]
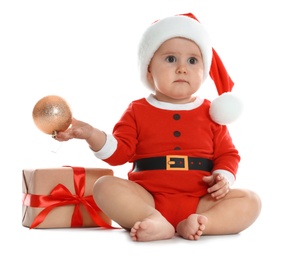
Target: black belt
[[173, 162]]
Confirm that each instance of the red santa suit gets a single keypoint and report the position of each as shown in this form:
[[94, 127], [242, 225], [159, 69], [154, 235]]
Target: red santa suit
[[153, 129]]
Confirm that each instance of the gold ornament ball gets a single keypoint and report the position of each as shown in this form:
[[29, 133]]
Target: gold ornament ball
[[52, 114]]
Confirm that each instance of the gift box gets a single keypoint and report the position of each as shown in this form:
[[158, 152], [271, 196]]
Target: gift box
[[62, 197]]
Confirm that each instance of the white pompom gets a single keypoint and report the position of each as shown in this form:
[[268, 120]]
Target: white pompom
[[226, 108]]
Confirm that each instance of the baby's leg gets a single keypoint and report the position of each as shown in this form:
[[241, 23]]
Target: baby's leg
[[192, 227], [231, 214], [132, 207]]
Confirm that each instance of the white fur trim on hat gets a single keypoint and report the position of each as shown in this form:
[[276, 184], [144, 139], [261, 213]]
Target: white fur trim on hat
[[168, 28]]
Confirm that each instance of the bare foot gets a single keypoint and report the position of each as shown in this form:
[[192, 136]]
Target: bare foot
[[155, 227], [192, 227]]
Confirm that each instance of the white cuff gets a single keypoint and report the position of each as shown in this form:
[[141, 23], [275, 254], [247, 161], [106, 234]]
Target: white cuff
[[108, 149]]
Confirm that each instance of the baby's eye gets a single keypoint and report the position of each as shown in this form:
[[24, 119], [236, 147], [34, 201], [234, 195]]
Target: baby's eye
[[192, 60], [170, 59]]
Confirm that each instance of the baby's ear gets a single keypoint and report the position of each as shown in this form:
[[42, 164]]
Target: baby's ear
[[149, 77]]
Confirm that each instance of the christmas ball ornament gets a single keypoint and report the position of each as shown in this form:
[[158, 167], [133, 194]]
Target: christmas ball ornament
[[52, 114]]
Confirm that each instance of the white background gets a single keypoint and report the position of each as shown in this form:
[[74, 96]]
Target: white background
[[85, 51]]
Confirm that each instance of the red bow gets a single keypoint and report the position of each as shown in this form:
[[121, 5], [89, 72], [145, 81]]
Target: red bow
[[61, 196]]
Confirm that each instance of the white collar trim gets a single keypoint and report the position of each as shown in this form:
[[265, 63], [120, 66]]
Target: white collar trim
[[169, 106]]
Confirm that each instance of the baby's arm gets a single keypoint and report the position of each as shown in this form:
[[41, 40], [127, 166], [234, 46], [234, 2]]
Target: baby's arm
[[81, 130]]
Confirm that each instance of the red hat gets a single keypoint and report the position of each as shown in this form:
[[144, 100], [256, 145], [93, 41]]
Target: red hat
[[224, 109]]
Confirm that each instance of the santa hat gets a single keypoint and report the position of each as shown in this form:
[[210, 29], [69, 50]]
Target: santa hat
[[224, 109]]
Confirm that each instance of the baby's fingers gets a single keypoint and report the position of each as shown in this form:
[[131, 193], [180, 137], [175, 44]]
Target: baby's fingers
[[220, 189]]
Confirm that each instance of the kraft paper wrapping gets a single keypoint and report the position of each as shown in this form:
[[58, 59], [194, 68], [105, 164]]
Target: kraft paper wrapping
[[43, 181]]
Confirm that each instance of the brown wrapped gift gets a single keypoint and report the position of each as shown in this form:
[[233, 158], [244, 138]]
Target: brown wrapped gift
[[62, 197]]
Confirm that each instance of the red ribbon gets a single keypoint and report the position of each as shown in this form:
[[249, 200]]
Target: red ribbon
[[61, 196]]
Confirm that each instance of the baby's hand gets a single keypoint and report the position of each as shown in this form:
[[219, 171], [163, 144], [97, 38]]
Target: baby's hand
[[78, 130], [218, 185]]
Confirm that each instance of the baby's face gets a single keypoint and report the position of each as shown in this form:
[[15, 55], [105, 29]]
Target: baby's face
[[176, 70]]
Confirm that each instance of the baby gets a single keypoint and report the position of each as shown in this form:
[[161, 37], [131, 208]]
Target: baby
[[184, 160]]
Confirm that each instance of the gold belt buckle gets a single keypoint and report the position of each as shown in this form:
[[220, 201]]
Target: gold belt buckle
[[177, 162]]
